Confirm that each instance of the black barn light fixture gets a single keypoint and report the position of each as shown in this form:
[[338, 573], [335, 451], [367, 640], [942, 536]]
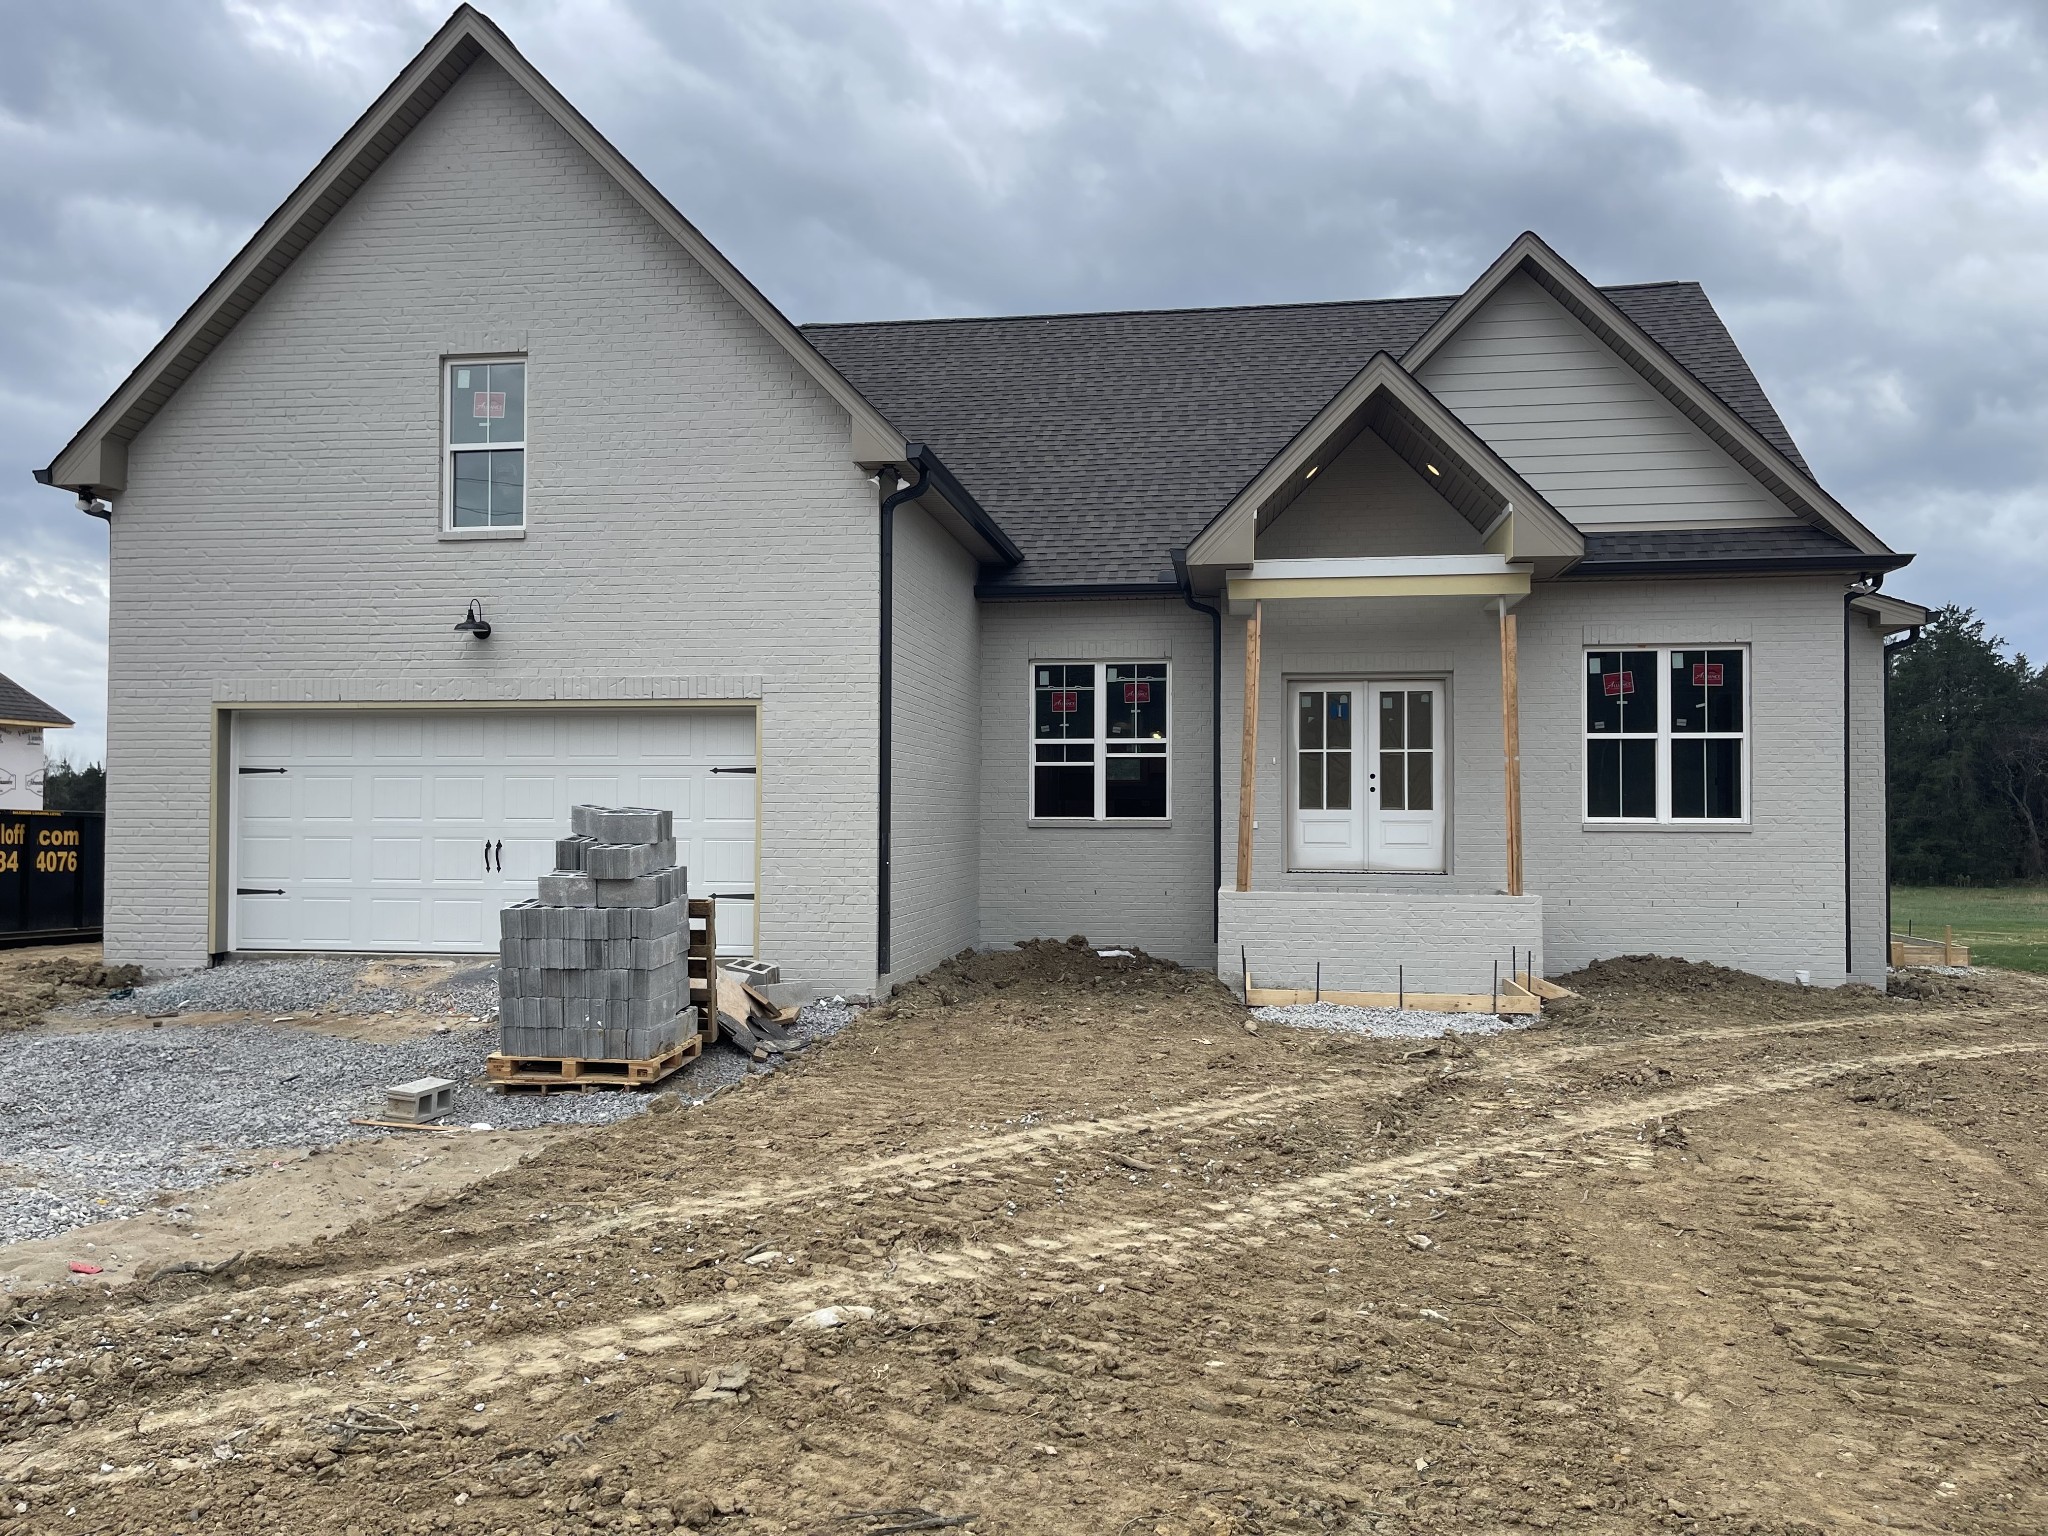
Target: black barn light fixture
[[474, 622]]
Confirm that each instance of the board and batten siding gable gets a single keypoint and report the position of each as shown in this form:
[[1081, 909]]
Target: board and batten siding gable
[[696, 531], [1582, 427]]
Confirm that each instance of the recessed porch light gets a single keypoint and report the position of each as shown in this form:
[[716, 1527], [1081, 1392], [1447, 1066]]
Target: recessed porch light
[[1433, 470], [1311, 471]]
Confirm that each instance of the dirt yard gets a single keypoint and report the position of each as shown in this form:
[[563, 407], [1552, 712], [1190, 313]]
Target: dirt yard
[[1054, 1244]]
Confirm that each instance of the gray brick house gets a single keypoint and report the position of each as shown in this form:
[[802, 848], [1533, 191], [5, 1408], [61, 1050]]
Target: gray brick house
[[934, 634]]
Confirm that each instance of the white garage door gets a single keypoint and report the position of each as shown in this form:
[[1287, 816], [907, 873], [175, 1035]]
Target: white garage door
[[408, 830]]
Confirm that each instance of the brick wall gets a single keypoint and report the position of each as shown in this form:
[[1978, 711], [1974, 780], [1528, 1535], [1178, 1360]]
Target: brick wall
[[692, 512], [935, 828], [1117, 883]]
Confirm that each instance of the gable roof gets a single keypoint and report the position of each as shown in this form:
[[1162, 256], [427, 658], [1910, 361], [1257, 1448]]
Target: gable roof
[[1101, 442], [1625, 336], [20, 707], [1384, 398], [96, 456]]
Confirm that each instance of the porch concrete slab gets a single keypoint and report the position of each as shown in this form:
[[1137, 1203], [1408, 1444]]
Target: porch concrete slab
[[1376, 941]]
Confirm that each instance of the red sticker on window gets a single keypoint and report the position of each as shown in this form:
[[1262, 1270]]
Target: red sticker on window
[[1706, 674], [1617, 684], [1065, 701], [487, 404], [1137, 693]]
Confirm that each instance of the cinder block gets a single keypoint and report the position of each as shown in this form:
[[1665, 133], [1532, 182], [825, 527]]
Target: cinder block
[[583, 820], [622, 861], [755, 973], [646, 954], [650, 890], [568, 888], [656, 922], [632, 824], [570, 852]]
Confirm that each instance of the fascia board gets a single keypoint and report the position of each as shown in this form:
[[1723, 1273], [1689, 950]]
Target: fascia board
[[467, 35], [1665, 373]]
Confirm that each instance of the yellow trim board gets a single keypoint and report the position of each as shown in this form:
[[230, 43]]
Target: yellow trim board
[[1503, 584]]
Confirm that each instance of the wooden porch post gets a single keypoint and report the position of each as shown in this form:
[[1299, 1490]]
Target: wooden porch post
[[1511, 745], [1247, 772]]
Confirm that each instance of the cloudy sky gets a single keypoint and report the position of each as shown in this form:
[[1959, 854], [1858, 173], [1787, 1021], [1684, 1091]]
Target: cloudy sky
[[1861, 185]]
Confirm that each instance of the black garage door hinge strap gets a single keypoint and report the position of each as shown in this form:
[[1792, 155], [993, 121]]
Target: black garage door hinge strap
[[732, 895], [735, 770], [259, 770], [252, 890]]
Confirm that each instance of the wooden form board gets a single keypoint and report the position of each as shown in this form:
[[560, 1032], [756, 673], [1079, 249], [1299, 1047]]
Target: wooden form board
[[1910, 949], [1512, 1000], [1247, 772]]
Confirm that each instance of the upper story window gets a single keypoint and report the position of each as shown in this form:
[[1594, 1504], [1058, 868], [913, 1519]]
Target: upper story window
[[487, 444], [1099, 742], [1667, 735]]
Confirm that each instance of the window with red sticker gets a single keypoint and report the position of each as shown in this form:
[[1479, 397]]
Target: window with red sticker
[[1099, 740]]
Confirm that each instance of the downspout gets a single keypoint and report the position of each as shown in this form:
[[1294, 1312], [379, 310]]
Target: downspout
[[1891, 649], [1187, 592], [887, 678]]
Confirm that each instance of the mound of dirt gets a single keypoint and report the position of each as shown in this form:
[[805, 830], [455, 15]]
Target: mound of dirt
[[31, 985], [1658, 990], [1039, 965]]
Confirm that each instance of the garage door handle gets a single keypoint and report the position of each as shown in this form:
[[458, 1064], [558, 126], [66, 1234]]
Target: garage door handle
[[734, 770], [500, 846], [487, 856], [252, 890]]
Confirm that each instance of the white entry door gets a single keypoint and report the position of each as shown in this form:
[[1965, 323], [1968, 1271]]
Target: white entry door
[[407, 831], [1367, 785]]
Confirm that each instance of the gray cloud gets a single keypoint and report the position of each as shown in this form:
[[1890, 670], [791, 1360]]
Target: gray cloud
[[1857, 183]]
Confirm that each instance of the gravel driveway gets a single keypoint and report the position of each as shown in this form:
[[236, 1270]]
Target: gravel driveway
[[96, 1123]]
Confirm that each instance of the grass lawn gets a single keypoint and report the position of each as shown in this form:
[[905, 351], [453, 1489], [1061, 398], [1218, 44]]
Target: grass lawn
[[2003, 925]]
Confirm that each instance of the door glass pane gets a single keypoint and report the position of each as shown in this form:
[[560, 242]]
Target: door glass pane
[[1420, 724], [1309, 794], [1391, 734], [1340, 719], [1393, 781], [1340, 780], [1421, 780], [1311, 720]]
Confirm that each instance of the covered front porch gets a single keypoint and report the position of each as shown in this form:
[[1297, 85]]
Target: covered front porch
[[1375, 571]]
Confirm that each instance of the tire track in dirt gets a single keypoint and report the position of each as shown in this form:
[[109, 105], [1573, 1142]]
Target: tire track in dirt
[[1072, 1256]]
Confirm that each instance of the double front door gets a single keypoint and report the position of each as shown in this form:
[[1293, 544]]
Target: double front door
[[1367, 788]]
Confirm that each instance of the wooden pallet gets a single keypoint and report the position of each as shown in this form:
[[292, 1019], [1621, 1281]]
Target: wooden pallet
[[701, 921], [579, 1074]]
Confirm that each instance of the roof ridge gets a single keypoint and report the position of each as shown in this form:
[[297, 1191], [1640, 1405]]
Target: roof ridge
[[1192, 309]]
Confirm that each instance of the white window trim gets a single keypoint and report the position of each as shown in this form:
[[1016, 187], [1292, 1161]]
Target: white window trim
[[1102, 739], [449, 448], [1664, 737]]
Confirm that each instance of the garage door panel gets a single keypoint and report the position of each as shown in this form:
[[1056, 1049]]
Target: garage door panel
[[265, 798], [532, 797], [327, 797], [377, 829], [458, 799], [327, 858], [395, 921], [398, 799], [395, 858], [266, 858]]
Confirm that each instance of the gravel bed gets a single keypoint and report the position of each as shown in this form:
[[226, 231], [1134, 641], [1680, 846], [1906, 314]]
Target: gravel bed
[[1393, 1023], [94, 1126], [328, 985]]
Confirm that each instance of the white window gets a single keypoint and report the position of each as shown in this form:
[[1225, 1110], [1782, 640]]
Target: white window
[[1667, 735], [1099, 740], [486, 443]]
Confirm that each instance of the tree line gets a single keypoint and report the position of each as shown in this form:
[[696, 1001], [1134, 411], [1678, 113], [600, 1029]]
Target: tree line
[[1967, 767]]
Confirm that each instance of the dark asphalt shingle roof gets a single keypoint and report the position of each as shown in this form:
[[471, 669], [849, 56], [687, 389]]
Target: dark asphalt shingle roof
[[1788, 546], [1101, 442], [20, 707]]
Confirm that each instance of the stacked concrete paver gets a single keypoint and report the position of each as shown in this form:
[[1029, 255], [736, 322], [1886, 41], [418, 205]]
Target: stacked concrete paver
[[597, 967]]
